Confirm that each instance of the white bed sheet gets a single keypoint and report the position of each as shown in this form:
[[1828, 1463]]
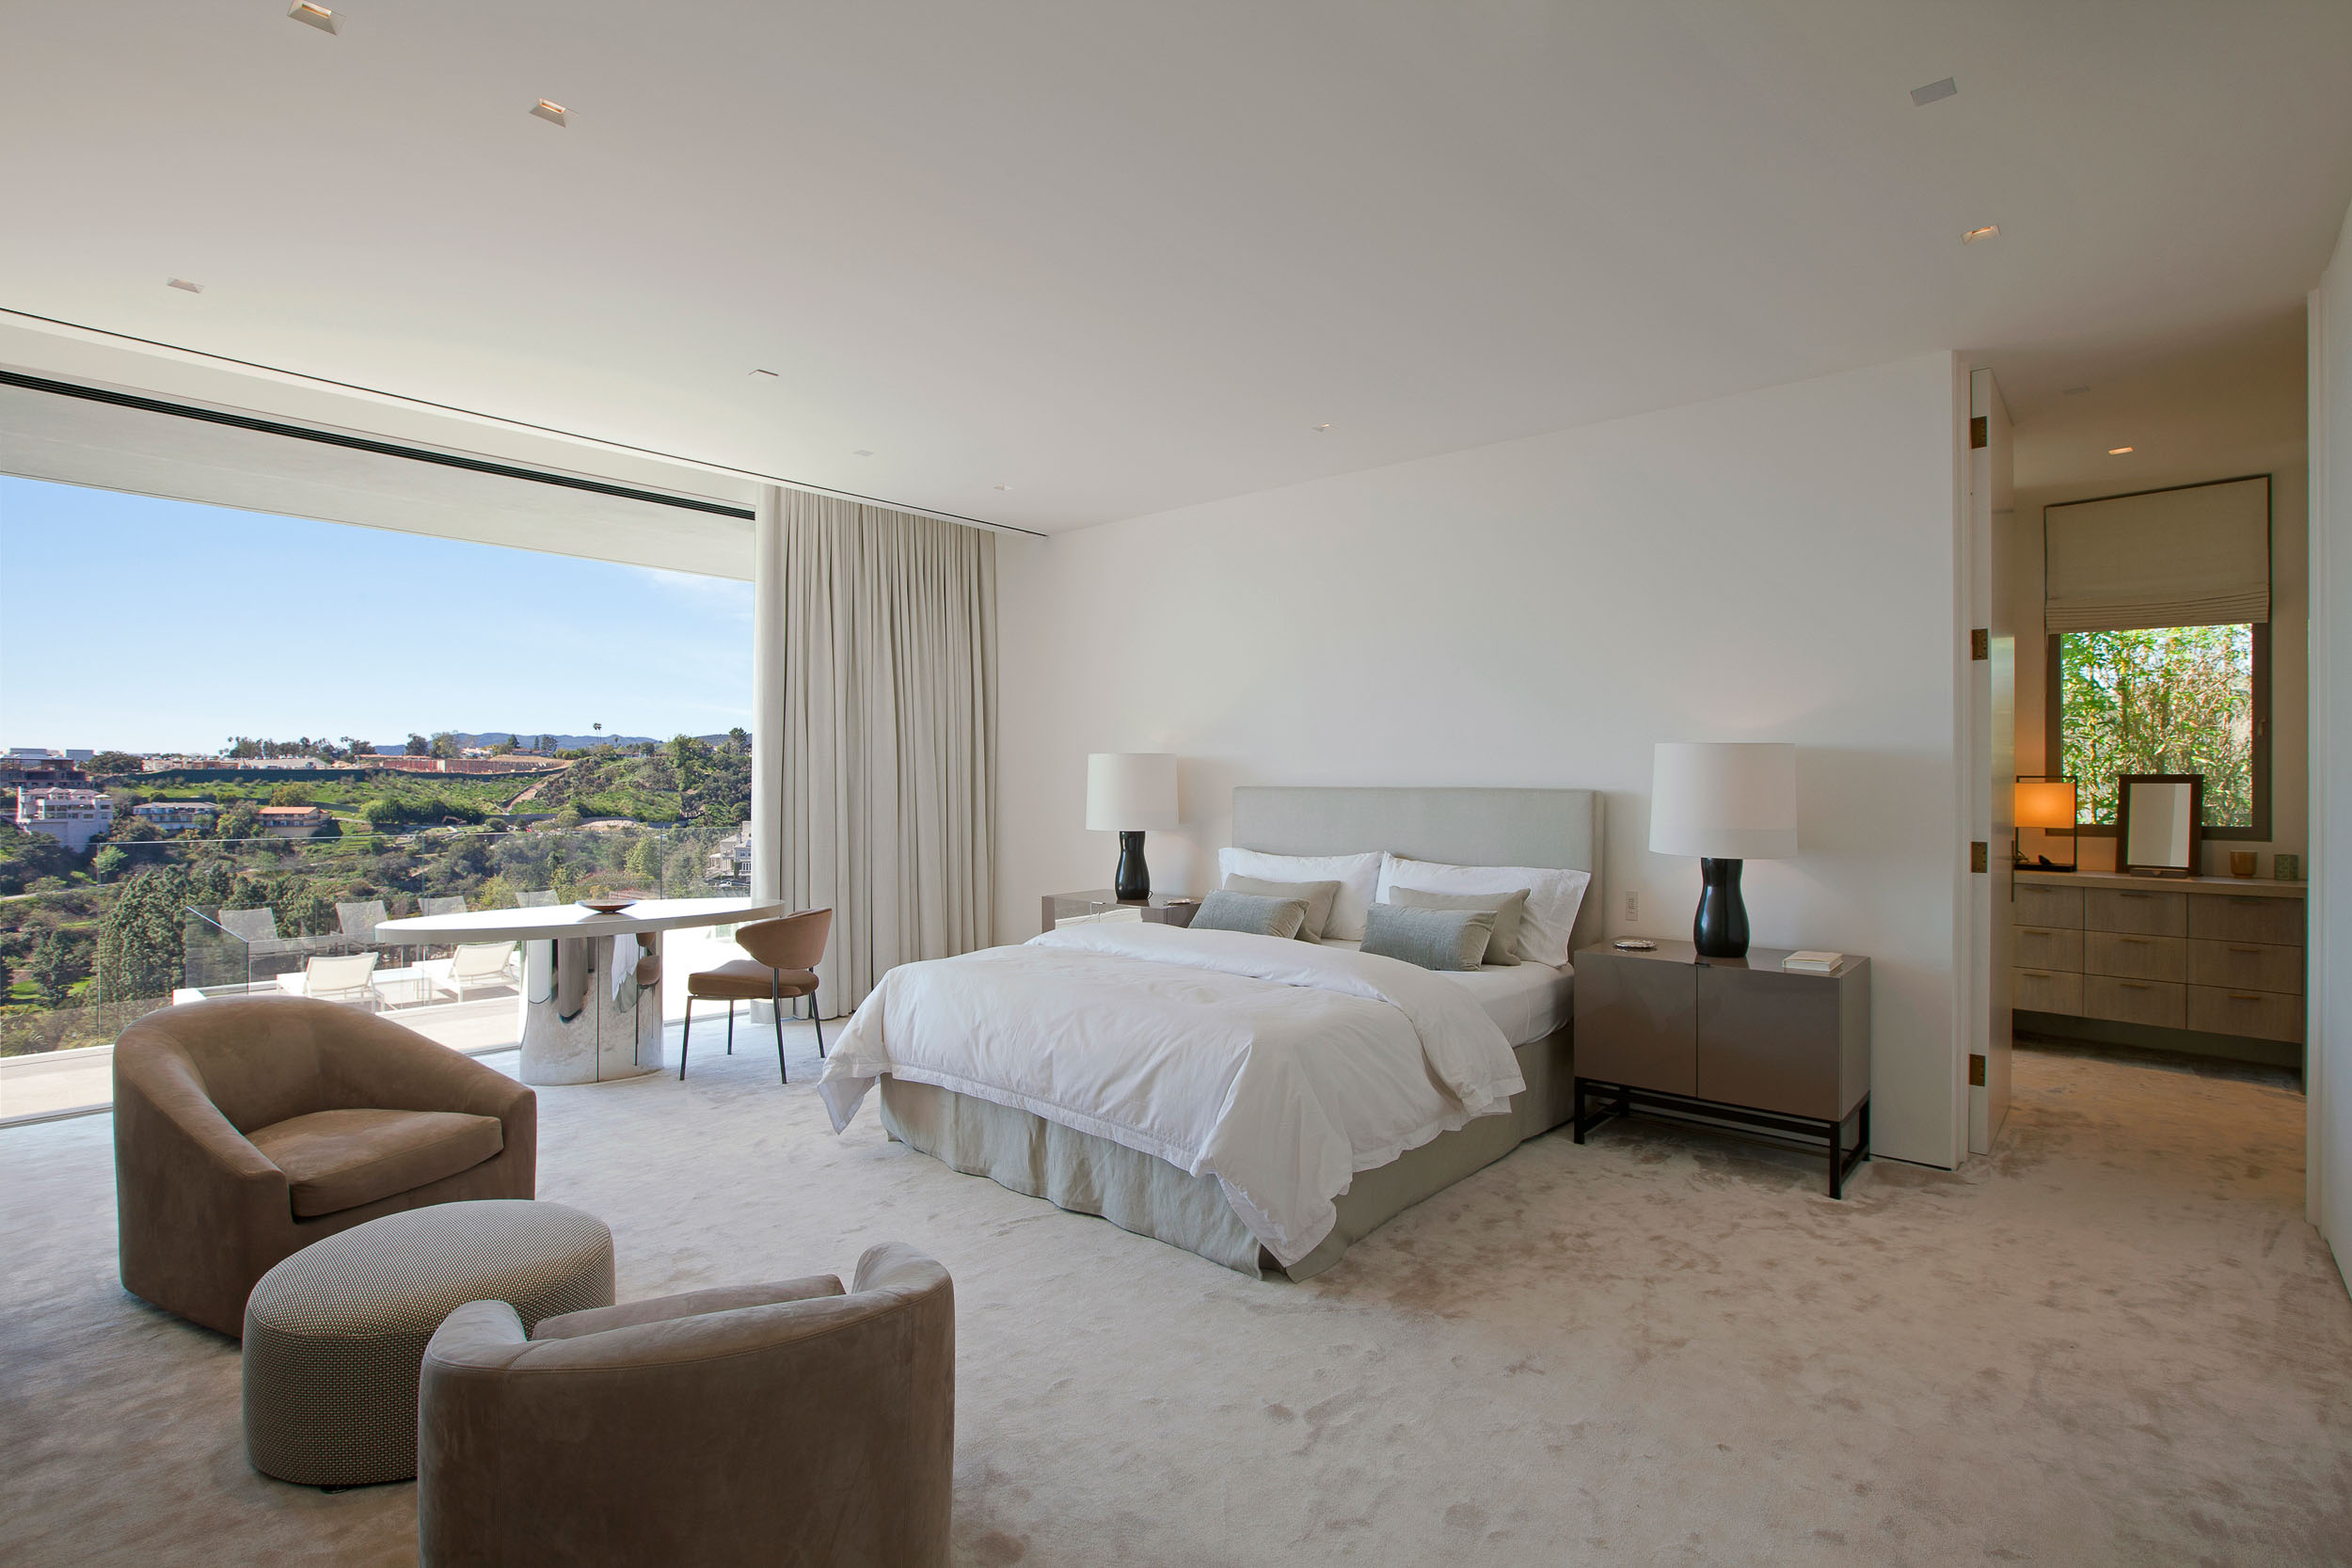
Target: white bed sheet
[[1527, 1000], [1280, 1068]]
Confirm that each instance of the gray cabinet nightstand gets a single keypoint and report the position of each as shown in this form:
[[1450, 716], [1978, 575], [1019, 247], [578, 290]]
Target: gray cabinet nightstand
[[1161, 908], [1737, 1040]]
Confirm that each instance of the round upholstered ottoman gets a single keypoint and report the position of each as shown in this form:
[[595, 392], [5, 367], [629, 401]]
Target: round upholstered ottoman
[[334, 1336]]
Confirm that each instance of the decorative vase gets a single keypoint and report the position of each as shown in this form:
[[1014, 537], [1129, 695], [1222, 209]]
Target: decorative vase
[[2241, 862], [1721, 928], [1133, 880]]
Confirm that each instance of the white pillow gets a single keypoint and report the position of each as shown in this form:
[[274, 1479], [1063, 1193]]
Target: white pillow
[[1358, 876], [1552, 900]]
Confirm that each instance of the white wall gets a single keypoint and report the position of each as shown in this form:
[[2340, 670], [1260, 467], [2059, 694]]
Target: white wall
[[1776, 565], [2328, 1082]]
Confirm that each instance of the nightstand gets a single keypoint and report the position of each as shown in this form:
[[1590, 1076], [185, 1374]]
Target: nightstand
[[1161, 908], [1727, 1040]]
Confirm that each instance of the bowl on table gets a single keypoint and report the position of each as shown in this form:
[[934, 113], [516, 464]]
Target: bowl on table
[[606, 906]]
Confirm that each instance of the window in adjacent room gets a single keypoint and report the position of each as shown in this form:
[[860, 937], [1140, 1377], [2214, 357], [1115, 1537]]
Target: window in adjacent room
[[2158, 613], [2168, 700]]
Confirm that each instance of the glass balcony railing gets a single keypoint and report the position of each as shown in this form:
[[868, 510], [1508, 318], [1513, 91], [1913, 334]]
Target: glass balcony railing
[[186, 917]]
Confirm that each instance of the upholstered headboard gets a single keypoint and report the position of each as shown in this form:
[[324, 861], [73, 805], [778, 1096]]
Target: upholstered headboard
[[1559, 828]]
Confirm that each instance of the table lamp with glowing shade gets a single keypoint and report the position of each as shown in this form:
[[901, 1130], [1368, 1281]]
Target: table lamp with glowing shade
[[2046, 803], [1129, 793], [1726, 802]]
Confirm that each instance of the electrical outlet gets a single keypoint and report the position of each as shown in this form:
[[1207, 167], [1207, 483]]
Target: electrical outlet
[[1632, 907]]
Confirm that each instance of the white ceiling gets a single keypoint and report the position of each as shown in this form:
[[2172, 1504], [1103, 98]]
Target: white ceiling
[[1123, 257]]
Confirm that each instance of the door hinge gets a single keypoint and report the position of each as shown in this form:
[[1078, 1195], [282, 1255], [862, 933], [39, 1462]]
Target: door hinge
[[1979, 855], [1975, 1071], [1980, 643], [1979, 433]]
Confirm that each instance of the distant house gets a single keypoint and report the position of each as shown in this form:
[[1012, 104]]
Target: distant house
[[170, 815], [730, 859], [292, 822], [72, 816]]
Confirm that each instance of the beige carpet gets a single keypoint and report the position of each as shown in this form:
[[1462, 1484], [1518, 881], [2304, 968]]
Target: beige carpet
[[2115, 1342]]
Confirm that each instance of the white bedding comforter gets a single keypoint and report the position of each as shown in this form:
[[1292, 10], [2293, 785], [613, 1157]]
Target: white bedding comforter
[[1279, 1068]]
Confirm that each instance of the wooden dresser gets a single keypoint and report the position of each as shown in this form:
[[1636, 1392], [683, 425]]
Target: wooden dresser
[[2217, 955]]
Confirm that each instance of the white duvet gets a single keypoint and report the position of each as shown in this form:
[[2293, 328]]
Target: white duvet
[[1279, 1068]]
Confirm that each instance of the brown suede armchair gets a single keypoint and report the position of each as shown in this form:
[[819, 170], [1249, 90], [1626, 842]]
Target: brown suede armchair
[[250, 1127], [761, 1425]]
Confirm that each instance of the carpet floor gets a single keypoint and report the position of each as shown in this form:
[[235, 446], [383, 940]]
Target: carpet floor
[[2114, 1341]]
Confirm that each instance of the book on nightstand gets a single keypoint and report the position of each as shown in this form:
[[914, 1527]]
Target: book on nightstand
[[1813, 963]]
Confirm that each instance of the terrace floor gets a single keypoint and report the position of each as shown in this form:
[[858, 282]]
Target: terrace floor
[[2114, 1341]]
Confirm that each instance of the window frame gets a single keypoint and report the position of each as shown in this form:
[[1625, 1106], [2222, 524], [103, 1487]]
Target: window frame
[[2055, 715]]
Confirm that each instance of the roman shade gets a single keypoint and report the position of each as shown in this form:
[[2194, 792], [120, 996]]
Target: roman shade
[[2195, 556]]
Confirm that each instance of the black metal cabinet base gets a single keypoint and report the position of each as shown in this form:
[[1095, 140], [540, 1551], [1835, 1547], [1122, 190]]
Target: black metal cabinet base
[[1598, 1100]]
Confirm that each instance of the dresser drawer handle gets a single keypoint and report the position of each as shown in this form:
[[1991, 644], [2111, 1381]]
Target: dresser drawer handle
[[2033, 932], [2136, 941], [2241, 899], [2244, 996], [2036, 975], [2132, 985], [2135, 895], [2256, 951]]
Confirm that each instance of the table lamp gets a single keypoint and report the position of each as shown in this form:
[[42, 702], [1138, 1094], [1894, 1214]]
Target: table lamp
[[1726, 802], [1128, 793], [2048, 803]]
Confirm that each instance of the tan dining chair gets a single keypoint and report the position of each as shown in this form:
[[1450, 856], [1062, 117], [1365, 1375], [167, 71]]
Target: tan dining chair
[[783, 963]]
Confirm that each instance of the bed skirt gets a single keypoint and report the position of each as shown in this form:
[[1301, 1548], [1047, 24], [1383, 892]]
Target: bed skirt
[[1146, 1195]]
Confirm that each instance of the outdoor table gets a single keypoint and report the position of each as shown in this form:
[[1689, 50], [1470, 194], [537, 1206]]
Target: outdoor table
[[589, 981]]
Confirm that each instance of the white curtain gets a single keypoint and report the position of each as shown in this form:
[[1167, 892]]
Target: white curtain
[[2196, 555], [889, 736]]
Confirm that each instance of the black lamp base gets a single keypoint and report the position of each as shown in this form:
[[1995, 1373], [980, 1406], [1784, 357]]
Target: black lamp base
[[1133, 882], [1721, 929]]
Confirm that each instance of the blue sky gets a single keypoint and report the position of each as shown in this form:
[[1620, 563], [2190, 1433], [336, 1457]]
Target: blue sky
[[158, 626]]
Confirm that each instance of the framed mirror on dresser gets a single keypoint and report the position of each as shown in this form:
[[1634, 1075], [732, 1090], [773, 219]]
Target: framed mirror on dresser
[[2159, 823]]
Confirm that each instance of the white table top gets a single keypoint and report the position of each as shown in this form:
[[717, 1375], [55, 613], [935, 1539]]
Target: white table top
[[571, 920]]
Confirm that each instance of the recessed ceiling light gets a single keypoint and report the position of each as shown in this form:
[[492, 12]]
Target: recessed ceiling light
[[183, 283], [1922, 97], [769, 374], [2075, 391], [554, 114], [1990, 231], [2117, 452], [316, 16], [1323, 427], [860, 453]]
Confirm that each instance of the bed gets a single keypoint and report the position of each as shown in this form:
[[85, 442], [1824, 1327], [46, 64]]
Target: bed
[[1101, 983]]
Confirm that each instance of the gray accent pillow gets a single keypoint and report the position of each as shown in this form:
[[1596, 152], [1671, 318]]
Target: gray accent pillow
[[1434, 938], [1319, 896], [1509, 909], [1248, 912]]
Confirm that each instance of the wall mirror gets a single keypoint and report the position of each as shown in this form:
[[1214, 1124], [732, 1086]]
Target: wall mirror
[[2159, 823]]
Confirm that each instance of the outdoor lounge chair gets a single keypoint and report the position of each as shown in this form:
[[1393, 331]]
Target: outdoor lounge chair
[[360, 921], [333, 977], [476, 964], [543, 898]]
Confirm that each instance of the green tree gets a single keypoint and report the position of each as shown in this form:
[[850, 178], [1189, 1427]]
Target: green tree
[[289, 795], [2160, 700], [445, 744], [139, 940], [52, 970], [108, 861], [382, 812], [417, 746], [644, 860], [569, 817], [741, 739], [107, 763]]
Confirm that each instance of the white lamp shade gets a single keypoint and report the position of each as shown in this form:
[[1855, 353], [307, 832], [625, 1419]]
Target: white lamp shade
[[1131, 791], [1734, 800]]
